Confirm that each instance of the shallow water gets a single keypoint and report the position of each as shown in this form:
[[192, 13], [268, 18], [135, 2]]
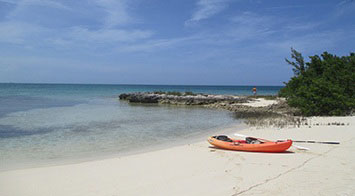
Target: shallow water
[[46, 124]]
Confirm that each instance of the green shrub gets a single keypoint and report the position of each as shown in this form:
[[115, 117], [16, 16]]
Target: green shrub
[[323, 86]]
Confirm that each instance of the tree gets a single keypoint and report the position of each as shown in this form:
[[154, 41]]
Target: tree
[[323, 86], [298, 66]]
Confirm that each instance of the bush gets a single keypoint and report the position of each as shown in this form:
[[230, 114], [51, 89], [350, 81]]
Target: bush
[[323, 86]]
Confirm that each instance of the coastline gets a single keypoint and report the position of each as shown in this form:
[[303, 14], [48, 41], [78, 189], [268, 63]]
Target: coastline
[[91, 131], [231, 128], [196, 169]]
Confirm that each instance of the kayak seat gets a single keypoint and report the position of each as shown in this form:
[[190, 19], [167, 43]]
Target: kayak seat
[[251, 140], [223, 138]]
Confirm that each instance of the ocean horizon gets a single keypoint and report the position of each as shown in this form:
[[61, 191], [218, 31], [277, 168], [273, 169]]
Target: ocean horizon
[[51, 123]]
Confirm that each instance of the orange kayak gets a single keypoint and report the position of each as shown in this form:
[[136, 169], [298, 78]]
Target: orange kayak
[[250, 144]]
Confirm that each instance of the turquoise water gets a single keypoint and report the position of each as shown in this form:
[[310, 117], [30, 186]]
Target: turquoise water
[[50, 123]]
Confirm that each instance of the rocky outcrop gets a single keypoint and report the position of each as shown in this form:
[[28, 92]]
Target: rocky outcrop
[[183, 99], [280, 108], [139, 97], [228, 102], [279, 114]]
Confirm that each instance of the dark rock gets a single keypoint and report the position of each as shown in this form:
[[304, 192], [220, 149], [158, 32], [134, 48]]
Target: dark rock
[[183, 99]]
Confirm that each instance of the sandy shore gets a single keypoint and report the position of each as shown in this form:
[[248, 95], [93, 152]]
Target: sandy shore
[[260, 102], [196, 169]]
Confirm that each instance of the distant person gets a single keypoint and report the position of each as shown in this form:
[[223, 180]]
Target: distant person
[[254, 91]]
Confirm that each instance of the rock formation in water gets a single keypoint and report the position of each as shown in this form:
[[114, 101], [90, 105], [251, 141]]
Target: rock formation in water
[[278, 114], [181, 99]]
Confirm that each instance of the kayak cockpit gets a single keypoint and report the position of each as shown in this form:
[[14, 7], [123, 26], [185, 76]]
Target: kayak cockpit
[[248, 140]]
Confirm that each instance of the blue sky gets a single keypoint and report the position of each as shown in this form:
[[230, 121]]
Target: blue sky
[[203, 42]]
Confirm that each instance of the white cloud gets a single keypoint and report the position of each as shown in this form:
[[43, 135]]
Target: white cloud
[[19, 30], [116, 11], [287, 7], [206, 9], [346, 7], [110, 12], [21, 5], [17, 33], [302, 26], [249, 25], [311, 42], [108, 35], [46, 3], [152, 45], [250, 18], [10, 1]]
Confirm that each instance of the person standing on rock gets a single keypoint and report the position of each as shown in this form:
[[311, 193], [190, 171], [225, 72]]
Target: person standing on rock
[[254, 91]]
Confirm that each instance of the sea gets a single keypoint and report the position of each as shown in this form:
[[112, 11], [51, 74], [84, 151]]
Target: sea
[[50, 124]]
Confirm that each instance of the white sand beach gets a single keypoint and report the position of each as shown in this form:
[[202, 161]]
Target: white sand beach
[[197, 169], [260, 102]]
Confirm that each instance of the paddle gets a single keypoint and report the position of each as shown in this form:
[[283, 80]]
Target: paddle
[[296, 146], [312, 141]]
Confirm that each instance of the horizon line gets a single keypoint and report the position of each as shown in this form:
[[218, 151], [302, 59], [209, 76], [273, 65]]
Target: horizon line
[[136, 84]]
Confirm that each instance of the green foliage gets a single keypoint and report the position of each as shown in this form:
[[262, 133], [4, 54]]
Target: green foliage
[[298, 66], [323, 86]]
